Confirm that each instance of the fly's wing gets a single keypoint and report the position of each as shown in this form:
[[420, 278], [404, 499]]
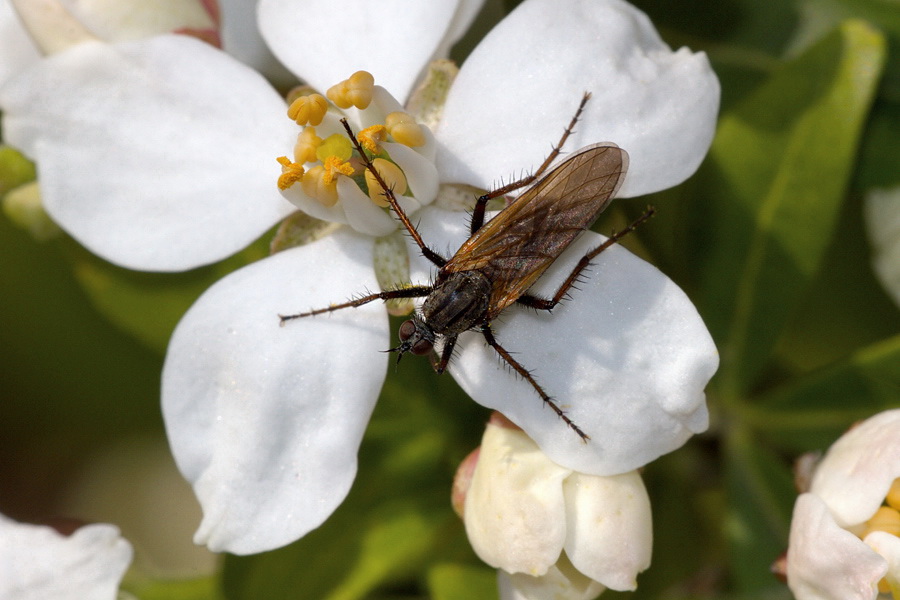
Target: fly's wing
[[515, 247]]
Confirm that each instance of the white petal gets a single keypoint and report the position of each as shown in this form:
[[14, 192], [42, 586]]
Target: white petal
[[513, 96], [888, 546], [462, 20], [38, 563], [855, 475], [421, 174], [362, 214], [242, 40], [627, 357], [16, 48], [610, 533], [392, 39], [514, 510], [825, 562], [265, 421], [559, 584], [51, 25], [156, 155]]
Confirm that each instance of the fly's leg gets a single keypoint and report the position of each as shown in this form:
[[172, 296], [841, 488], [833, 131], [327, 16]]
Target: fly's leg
[[427, 252], [527, 376], [415, 291], [550, 304], [440, 365], [481, 203]]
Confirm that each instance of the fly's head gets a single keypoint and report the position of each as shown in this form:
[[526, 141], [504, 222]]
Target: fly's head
[[416, 336]]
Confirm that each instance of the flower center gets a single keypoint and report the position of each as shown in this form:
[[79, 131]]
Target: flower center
[[319, 164], [887, 519]]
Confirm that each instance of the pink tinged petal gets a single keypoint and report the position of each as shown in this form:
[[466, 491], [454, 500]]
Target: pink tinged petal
[[562, 582], [888, 546], [855, 475], [37, 562], [123, 20], [610, 534], [392, 39], [156, 155], [627, 357], [826, 562], [265, 421], [515, 511], [513, 96]]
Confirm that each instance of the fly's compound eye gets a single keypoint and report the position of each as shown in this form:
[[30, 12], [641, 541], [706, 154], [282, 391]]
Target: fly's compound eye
[[411, 334]]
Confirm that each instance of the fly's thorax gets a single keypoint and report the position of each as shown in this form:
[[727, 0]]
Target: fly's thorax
[[458, 303]]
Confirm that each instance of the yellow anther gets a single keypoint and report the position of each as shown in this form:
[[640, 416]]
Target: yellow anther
[[893, 495], [885, 519], [356, 91], [393, 177], [335, 145], [308, 110], [335, 166], [404, 129], [307, 144], [315, 187], [371, 138], [291, 172]]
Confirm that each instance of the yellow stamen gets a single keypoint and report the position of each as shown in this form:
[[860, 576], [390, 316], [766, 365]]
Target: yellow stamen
[[334, 166], [393, 177], [885, 519], [371, 138], [314, 186], [291, 173], [307, 144], [893, 495], [404, 129], [356, 91], [308, 110], [335, 145]]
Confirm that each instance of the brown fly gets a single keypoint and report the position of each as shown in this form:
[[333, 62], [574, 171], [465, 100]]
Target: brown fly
[[504, 257]]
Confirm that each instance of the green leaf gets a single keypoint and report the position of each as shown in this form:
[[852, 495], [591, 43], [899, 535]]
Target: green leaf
[[760, 498], [148, 306], [845, 308], [15, 169], [191, 589], [812, 412], [776, 179], [462, 582]]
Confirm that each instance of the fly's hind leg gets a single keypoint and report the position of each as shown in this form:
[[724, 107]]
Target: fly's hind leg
[[550, 303], [527, 376], [478, 213]]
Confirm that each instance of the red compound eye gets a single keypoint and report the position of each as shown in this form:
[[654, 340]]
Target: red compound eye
[[407, 328]]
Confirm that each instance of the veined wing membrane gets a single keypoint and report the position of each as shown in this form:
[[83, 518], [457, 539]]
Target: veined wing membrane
[[515, 247]]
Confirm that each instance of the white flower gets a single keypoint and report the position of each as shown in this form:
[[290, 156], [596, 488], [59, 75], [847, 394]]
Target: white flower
[[160, 154], [549, 528], [843, 539], [39, 563], [882, 211]]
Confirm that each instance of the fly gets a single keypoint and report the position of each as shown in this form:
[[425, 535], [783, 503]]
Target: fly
[[504, 257]]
